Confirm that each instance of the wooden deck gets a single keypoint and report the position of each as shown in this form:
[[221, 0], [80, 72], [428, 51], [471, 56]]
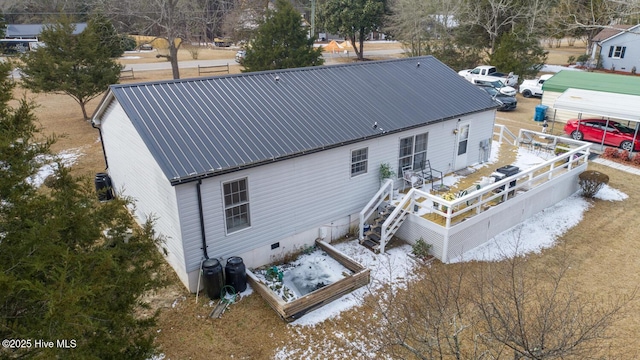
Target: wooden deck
[[507, 156]]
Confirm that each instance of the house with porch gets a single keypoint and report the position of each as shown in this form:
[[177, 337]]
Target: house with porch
[[618, 48], [259, 165]]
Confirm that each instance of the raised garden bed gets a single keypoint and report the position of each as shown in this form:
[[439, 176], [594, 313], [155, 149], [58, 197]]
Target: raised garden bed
[[324, 288]]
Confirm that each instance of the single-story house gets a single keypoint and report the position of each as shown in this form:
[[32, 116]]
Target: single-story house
[[23, 37], [258, 165], [607, 84], [618, 48]]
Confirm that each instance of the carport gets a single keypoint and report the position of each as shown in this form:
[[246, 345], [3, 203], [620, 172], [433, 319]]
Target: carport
[[610, 106]]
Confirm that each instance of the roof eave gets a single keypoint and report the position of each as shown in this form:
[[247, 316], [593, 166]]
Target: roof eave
[[104, 103], [196, 177]]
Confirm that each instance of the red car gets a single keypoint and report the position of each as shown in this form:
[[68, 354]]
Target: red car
[[618, 135]]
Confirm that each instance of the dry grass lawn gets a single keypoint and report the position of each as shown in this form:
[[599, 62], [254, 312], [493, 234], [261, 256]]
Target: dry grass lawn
[[603, 252]]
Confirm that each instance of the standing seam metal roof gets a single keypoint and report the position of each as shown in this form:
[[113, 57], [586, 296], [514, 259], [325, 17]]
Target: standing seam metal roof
[[612, 83], [202, 127]]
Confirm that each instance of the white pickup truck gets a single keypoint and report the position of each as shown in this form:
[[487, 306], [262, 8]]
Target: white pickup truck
[[488, 72], [530, 88]]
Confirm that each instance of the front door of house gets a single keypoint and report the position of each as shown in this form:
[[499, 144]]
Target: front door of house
[[462, 144]]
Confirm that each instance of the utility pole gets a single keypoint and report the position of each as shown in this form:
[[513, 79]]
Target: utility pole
[[313, 18]]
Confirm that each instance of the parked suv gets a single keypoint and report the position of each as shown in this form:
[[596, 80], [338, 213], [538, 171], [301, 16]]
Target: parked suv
[[498, 85], [506, 102]]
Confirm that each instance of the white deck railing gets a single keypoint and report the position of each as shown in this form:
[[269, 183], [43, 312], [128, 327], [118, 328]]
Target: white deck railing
[[480, 200], [504, 134], [396, 218], [386, 191]]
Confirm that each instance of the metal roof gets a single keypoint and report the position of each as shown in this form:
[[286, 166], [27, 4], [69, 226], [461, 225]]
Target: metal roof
[[206, 126], [618, 106], [612, 83], [33, 30]]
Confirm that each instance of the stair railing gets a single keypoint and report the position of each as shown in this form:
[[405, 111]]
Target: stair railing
[[386, 190], [390, 226]]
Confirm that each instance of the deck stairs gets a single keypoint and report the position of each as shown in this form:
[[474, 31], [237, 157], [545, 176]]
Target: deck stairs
[[373, 236]]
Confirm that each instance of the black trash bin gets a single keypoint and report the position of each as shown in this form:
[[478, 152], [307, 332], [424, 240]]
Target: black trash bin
[[212, 277], [103, 186], [235, 274]]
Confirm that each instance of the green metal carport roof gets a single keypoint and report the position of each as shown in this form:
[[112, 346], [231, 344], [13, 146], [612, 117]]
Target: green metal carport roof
[[612, 83]]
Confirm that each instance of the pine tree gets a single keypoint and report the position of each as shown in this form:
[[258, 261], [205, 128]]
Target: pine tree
[[281, 42], [522, 56], [76, 65], [70, 269]]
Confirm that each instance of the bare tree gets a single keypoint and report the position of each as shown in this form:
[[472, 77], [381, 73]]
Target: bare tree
[[586, 18], [432, 320], [415, 23], [494, 17], [171, 20], [516, 309], [537, 314], [243, 19]]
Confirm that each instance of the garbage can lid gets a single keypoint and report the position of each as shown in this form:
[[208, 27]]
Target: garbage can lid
[[210, 263], [234, 260]]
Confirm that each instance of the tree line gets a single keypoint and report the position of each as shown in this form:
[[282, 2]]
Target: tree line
[[459, 32]]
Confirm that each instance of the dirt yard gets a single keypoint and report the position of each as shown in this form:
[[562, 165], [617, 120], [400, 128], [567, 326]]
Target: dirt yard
[[604, 254]]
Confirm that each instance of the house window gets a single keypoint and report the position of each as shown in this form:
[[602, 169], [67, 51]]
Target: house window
[[463, 139], [236, 205], [617, 52], [359, 161], [413, 152]]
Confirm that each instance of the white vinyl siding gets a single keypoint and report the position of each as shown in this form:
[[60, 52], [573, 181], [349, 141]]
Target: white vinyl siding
[[236, 205], [463, 140], [621, 52], [359, 161], [135, 173], [297, 195]]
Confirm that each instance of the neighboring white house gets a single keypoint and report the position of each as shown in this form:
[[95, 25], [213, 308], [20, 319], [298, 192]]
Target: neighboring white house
[[260, 164], [19, 38], [618, 47]]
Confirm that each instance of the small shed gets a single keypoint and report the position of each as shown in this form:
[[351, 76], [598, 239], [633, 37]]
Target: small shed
[[603, 83]]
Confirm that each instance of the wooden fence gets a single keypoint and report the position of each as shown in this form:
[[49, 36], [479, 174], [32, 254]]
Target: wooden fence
[[214, 69], [126, 74]]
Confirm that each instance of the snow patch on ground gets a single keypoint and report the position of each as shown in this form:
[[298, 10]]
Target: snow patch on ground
[[540, 231], [394, 268], [608, 193], [49, 165], [309, 272]]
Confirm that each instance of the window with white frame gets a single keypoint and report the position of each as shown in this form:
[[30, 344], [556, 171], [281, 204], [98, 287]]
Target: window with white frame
[[236, 205], [617, 52], [463, 138], [359, 160], [413, 152]]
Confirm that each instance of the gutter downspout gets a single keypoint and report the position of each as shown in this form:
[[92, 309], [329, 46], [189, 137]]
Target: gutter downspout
[[200, 212], [104, 153]]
